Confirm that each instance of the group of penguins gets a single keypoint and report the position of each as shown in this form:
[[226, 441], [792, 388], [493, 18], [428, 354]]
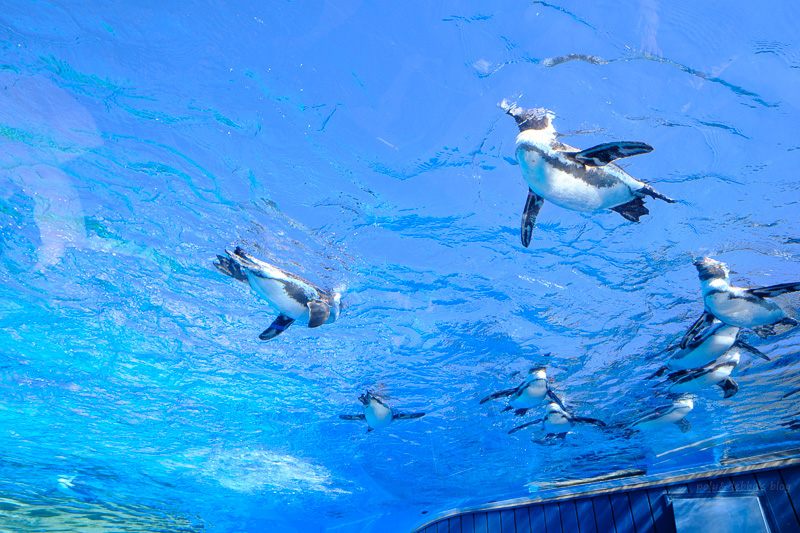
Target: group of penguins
[[580, 180]]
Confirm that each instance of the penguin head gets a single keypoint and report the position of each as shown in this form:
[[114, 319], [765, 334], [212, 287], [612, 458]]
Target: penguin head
[[684, 400], [528, 119], [538, 372], [366, 398], [708, 269], [554, 408]]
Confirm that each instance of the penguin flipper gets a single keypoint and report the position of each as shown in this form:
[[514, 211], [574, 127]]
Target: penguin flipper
[[633, 210], [729, 386], [231, 268], [520, 412], [277, 327], [684, 425], [705, 320], [526, 424], [752, 349], [774, 290], [532, 206], [318, 313], [553, 396], [353, 417], [498, 394], [658, 373], [408, 416], [590, 421], [602, 154]]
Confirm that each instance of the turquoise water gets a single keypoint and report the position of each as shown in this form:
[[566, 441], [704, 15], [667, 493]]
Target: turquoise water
[[360, 145]]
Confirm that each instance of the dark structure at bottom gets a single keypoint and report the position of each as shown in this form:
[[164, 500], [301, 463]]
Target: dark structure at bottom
[[765, 500]]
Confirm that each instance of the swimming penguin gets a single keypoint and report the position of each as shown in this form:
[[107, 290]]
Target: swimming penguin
[[557, 422], [528, 394], [294, 297], [706, 347], [671, 414], [735, 306], [581, 180], [377, 414], [717, 373]]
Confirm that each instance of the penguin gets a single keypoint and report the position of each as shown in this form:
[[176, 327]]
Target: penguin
[[671, 414], [735, 306], [528, 394], [557, 422], [580, 180], [377, 414], [716, 373], [294, 297], [706, 347]]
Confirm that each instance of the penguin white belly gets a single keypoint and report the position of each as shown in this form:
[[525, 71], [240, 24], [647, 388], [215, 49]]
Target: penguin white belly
[[378, 416], [566, 190], [531, 396], [557, 424], [741, 312], [670, 417], [274, 291], [709, 351]]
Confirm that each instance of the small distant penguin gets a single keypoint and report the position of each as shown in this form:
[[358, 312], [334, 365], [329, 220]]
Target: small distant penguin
[[735, 306], [706, 347], [671, 414], [580, 180], [294, 297], [557, 422], [528, 394], [717, 373], [377, 414], [75, 489]]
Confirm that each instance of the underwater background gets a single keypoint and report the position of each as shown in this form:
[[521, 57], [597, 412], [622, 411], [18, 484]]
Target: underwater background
[[359, 145]]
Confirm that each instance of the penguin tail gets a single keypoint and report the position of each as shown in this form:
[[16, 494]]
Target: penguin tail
[[231, 268], [649, 191], [633, 210]]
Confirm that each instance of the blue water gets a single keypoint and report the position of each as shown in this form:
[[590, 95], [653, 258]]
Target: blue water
[[360, 145]]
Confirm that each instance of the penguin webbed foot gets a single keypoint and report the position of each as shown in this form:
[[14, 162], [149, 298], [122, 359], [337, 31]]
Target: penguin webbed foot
[[729, 387], [633, 210], [684, 425], [651, 192], [520, 412], [764, 331]]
